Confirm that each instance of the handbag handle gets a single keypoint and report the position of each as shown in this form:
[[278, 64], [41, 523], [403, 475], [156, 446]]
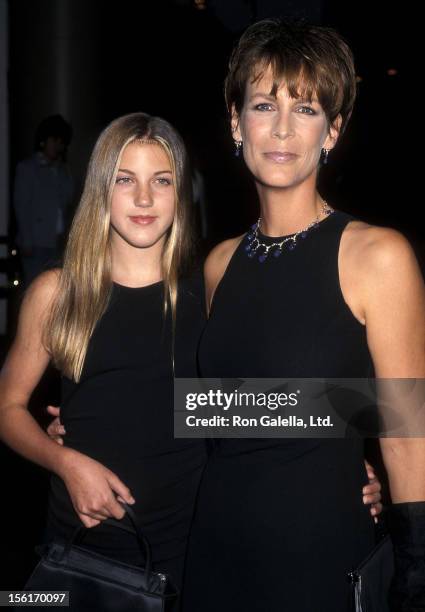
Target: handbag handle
[[144, 545]]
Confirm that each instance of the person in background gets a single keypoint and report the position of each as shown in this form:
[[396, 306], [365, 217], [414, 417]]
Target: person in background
[[43, 193]]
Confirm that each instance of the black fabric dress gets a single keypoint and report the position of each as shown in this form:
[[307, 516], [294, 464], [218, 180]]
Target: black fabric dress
[[121, 414], [280, 522]]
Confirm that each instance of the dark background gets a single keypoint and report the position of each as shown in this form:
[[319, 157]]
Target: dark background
[[93, 61]]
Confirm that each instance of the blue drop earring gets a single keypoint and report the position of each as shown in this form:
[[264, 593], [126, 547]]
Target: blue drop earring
[[238, 145]]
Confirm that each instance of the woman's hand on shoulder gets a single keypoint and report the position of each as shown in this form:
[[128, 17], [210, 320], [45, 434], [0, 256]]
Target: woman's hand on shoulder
[[95, 491], [216, 264]]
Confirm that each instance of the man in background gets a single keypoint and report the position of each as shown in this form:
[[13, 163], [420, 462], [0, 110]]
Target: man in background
[[43, 194]]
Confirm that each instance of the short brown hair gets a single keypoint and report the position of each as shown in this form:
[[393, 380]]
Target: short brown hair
[[311, 60]]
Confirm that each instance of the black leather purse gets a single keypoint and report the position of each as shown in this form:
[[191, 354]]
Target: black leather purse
[[96, 582], [371, 580]]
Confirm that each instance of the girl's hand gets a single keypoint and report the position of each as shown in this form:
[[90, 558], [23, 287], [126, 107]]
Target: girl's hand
[[372, 492], [55, 430], [95, 491]]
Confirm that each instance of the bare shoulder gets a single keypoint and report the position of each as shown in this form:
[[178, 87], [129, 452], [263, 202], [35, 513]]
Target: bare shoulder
[[378, 268], [375, 250], [217, 262], [33, 316], [28, 356], [41, 292], [222, 253]]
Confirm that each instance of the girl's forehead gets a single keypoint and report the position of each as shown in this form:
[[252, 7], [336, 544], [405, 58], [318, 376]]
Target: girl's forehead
[[151, 149]]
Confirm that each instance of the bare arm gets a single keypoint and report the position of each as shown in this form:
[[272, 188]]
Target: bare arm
[[21, 372], [394, 299], [92, 486]]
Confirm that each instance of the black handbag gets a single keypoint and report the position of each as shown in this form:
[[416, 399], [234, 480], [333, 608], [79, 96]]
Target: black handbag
[[96, 582], [371, 580]]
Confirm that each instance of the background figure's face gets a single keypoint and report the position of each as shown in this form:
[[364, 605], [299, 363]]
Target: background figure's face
[[143, 201], [53, 147], [282, 136]]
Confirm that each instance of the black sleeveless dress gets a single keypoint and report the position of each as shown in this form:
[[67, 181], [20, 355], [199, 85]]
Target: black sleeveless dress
[[280, 522], [121, 414]]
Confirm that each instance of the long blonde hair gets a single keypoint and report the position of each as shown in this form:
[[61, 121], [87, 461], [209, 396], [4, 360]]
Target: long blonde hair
[[85, 282]]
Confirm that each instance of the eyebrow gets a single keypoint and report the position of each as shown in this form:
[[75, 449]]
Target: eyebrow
[[271, 97], [134, 174], [125, 170]]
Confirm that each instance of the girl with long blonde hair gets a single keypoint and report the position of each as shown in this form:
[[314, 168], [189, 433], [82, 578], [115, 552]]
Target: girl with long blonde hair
[[118, 319]]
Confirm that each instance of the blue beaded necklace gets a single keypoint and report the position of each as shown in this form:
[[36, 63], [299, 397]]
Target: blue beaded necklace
[[255, 246]]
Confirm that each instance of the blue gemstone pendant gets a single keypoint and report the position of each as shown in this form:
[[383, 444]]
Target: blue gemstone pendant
[[255, 244]]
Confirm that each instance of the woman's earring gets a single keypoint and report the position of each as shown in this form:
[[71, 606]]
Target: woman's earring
[[325, 153], [238, 145]]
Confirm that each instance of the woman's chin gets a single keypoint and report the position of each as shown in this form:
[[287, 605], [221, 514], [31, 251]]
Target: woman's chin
[[277, 182]]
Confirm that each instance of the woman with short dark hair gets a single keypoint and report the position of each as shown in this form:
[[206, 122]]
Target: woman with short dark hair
[[308, 291]]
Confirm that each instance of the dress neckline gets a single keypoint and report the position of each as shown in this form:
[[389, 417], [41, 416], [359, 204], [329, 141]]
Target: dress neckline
[[270, 239], [150, 287]]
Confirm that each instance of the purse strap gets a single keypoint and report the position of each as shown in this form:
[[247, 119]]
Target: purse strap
[[135, 529]]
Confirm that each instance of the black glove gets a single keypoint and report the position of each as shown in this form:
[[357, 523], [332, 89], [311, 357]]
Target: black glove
[[406, 524]]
